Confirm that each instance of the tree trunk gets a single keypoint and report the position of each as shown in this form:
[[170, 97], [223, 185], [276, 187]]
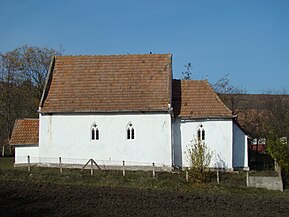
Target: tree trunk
[[256, 151]]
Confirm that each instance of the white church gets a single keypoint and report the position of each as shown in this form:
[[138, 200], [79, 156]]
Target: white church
[[128, 108]]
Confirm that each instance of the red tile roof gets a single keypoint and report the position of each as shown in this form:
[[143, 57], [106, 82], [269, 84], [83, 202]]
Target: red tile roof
[[196, 99], [109, 83], [25, 132]]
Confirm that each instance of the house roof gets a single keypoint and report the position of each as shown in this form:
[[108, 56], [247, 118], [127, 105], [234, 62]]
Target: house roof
[[252, 101], [108, 83], [252, 120], [196, 99], [25, 132], [253, 110]]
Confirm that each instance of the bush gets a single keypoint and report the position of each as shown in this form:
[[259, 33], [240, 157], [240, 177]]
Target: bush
[[200, 158]]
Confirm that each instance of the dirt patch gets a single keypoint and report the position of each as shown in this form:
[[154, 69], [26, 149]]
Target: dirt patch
[[44, 199]]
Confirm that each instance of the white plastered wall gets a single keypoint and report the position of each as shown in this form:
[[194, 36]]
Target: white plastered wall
[[22, 152], [218, 137], [240, 150], [69, 136]]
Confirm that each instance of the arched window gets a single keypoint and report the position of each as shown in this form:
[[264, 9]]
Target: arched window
[[130, 131], [201, 133], [94, 132]]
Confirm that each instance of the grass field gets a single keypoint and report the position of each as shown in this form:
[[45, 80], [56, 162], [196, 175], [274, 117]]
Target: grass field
[[229, 182], [46, 192]]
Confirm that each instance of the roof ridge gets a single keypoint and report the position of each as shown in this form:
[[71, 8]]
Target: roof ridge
[[190, 80], [114, 55], [27, 119]]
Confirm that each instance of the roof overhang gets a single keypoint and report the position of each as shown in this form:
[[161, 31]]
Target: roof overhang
[[206, 117], [47, 82], [24, 145], [103, 112]]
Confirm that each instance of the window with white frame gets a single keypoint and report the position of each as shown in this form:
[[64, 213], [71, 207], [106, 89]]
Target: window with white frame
[[201, 133], [130, 134], [94, 132]]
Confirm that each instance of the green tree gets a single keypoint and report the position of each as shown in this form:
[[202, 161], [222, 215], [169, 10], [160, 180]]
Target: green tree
[[277, 128], [278, 150]]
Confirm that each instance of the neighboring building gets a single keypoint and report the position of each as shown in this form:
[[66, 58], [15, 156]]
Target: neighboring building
[[258, 145], [127, 107], [254, 114]]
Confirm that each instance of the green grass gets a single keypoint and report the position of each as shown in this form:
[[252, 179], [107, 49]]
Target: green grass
[[6, 162], [230, 183], [264, 173]]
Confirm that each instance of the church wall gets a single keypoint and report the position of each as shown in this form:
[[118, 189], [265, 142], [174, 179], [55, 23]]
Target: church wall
[[240, 148], [218, 137], [69, 136]]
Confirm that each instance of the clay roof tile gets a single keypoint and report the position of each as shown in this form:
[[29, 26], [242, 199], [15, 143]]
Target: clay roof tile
[[25, 132], [196, 99], [109, 83]]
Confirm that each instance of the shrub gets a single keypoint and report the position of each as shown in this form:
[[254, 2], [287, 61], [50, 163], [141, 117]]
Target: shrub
[[200, 158]]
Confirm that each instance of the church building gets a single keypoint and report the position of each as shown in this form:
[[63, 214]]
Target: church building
[[126, 108]]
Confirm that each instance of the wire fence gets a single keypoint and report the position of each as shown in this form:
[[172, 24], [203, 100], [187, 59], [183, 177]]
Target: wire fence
[[40, 166], [154, 168], [66, 162]]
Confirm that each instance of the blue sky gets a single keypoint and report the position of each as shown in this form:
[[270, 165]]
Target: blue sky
[[249, 39]]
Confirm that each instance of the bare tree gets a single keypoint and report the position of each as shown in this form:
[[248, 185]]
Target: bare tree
[[10, 67], [253, 121], [187, 74], [230, 95], [36, 62], [22, 75], [278, 108]]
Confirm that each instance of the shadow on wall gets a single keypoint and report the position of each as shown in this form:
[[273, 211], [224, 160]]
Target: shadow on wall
[[177, 97], [176, 103], [219, 162], [239, 147], [178, 153]]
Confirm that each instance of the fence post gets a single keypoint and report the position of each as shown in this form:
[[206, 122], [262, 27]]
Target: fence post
[[275, 165], [247, 178], [218, 177], [123, 168], [28, 161], [91, 167], [154, 172], [3, 150], [60, 165], [187, 174]]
